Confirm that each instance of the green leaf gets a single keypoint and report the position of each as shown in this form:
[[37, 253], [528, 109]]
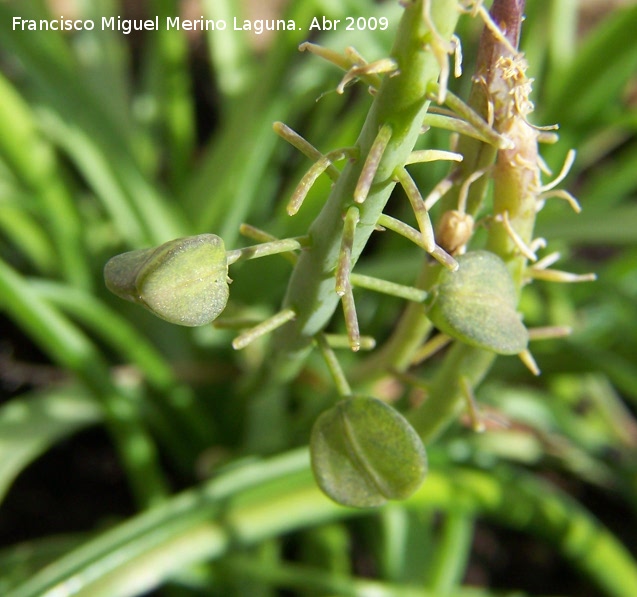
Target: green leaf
[[365, 453], [183, 281], [31, 424], [590, 91], [477, 304]]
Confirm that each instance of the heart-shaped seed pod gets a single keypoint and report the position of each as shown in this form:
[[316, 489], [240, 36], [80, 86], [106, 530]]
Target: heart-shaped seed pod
[[364, 453], [477, 304], [183, 281]]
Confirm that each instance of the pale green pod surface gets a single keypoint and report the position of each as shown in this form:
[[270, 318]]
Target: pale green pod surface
[[183, 281], [364, 453], [477, 304], [120, 273]]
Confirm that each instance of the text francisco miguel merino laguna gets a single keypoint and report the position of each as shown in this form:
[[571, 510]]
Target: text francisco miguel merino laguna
[[127, 25]]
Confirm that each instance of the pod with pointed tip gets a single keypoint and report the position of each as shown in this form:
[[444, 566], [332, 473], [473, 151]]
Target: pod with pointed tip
[[183, 281]]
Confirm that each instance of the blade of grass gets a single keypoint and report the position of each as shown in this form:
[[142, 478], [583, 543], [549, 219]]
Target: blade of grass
[[19, 562], [261, 500], [230, 54], [132, 348], [98, 172], [609, 59], [170, 86], [60, 86], [31, 424], [452, 553], [303, 578], [67, 346], [105, 60], [613, 182], [33, 162], [596, 226], [114, 329], [24, 232]]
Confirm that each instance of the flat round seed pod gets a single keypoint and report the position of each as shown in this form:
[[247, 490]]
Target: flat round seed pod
[[364, 453], [477, 304], [183, 281]]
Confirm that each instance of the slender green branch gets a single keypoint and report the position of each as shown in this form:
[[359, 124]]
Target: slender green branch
[[372, 161], [342, 341], [344, 266], [351, 319], [265, 327], [304, 146], [397, 353], [455, 125], [274, 247], [399, 227], [419, 208], [334, 366], [431, 155], [303, 188], [484, 130], [400, 290], [261, 236]]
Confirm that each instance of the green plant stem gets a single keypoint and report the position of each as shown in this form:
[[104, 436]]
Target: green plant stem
[[400, 105], [515, 184], [265, 327], [516, 175], [478, 154], [446, 398]]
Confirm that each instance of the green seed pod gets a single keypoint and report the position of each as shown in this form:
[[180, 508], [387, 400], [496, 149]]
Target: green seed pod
[[184, 281], [364, 453], [477, 304]]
